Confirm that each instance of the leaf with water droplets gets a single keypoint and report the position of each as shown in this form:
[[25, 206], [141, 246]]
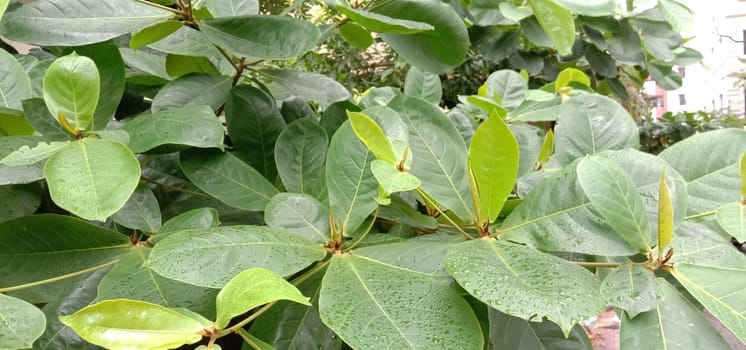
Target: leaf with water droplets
[[632, 288], [373, 305], [20, 323], [300, 214], [523, 282]]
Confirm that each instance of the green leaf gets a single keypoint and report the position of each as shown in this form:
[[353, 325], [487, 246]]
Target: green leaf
[[154, 32], [368, 131], [77, 22], [680, 17], [384, 24], [123, 324], [141, 212], [547, 148], [705, 251], [253, 288], [22, 323], [111, 72], [594, 8], [300, 153], [230, 8], [601, 62], [262, 37], [557, 23], [489, 13], [570, 75], [493, 162], [732, 218], [186, 41], [3, 7], [295, 107], [674, 324], [720, 289], [225, 177], [308, 85], [191, 90], [742, 172], [665, 215], [613, 193], [435, 51], [226, 251], [254, 123], [513, 12], [509, 86], [352, 187], [15, 85], [709, 163], [12, 123], [658, 37], [133, 278], [356, 35], [625, 45], [402, 213], [179, 65], [92, 178], [19, 200], [300, 214], [424, 85], [194, 126], [30, 155], [411, 310], [289, 325], [192, 219], [391, 179], [438, 150], [36, 113], [19, 174], [591, 124], [508, 332], [71, 88], [40, 247], [632, 288]]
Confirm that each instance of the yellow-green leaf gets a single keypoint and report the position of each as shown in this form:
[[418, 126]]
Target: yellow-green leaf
[[568, 75], [665, 215], [743, 175], [71, 88], [557, 22], [372, 136], [547, 149], [153, 33]]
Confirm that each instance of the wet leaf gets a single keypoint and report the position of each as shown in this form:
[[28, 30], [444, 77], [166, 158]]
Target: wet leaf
[[140, 212], [300, 154], [632, 288], [192, 126], [508, 332], [300, 214], [22, 323], [732, 218], [71, 89]]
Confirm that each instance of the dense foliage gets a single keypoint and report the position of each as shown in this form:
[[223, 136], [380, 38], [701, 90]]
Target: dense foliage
[[250, 198]]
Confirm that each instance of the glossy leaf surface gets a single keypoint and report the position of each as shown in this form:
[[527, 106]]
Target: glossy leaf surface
[[226, 251], [192, 126], [134, 324], [252, 288], [71, 88], [524, 282], [92, 178], [413, 311]]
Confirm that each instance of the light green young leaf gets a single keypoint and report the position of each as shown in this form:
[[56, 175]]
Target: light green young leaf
[[368, 131], [356, 35], [722, 291], [71, 88], [412, 309], [674, 324], [230, 8], [77, 22], [557, 22], [680, 17], [31, 155], [391, 179], [300, 214], [252, 288], [384, 24], [547, 148], [227, 178], [262, 36], [665, 215], [3, 7], [632, 288], [568, 75], [154, 32], [226, 251], [613, 193], [742, 172], [92, 178], [537, 284], [15, 85], [493, 160], [192, 126], [22, 323], [131, 324], [732, 218]]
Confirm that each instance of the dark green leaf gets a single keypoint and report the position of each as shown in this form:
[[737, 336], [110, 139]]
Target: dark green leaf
[[508, 332], [625, 45], [191, 90], [15, 85], [300, 214], [384, 24], [436, 51], [186, 41], [262, 37], [659, 39], [22, 323], [154, 32], [180, 65], [300, 153], [36, 113], [92, 178], [19, 200], [412, 310], [295, 107], [601, 62], [134, 324], [632, 288], [254, 123], [524, 282], [250, 289], [665, 76], [193, 126], [77, 22], [225, 177], [309, 85], [211, 257], [19, 174], [133, 278], [192, 219], [141, 212]]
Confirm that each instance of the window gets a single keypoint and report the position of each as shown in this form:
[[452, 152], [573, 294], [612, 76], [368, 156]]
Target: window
[[682, 99], [682, 72]]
